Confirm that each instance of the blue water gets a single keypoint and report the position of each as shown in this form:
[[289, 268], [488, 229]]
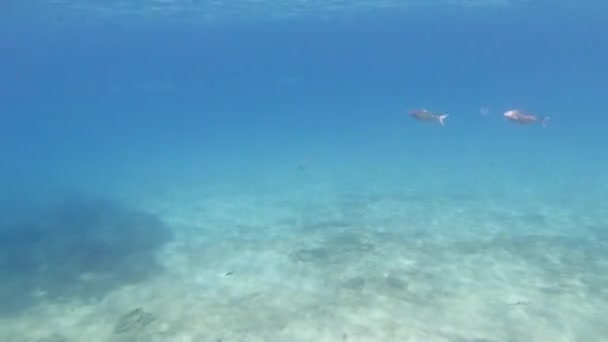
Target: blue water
[[109, 120]]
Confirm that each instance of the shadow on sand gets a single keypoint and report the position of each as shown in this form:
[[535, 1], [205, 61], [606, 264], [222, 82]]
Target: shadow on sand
[[76, 249]]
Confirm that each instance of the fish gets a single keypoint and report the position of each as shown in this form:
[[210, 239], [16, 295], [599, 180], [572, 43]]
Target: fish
[[484, 111], [425, 115], [517, 116]]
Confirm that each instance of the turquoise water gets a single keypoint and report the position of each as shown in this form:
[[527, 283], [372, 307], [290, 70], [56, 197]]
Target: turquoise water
[[249, 171]]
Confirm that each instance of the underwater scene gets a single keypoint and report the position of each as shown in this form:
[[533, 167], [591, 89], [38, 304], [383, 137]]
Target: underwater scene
[[303, 170]]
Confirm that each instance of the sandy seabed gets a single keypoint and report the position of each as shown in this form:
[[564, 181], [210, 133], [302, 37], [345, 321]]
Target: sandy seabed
[[352, 267]]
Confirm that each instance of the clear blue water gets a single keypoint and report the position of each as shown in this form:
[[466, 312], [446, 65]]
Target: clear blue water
[[140, 107]]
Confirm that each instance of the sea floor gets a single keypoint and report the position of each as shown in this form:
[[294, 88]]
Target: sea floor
[[372, 266]]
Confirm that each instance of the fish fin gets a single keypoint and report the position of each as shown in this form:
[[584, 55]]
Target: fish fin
[[441, 119]]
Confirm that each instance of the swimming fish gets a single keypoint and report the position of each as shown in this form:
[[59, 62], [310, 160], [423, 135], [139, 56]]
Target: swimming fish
[[517, 116], [425, 115], [484, 111]]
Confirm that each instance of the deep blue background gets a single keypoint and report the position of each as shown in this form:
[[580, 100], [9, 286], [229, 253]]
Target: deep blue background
[[77, 91]]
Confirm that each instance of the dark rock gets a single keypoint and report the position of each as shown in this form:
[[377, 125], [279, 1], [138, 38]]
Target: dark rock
[[133, 320]]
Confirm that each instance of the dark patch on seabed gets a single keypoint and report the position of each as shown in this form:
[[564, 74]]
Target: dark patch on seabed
[[74, 249]]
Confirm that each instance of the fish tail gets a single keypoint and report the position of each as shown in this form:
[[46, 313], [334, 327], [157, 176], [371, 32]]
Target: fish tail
[[441, 119]]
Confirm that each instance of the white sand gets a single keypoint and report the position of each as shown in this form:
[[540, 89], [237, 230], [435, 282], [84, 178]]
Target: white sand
[[329, 267]]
